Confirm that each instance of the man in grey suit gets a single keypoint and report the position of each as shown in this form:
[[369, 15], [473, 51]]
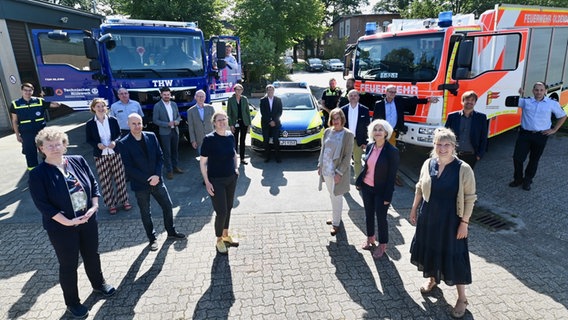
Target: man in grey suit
[[166, 117], [199, 120]]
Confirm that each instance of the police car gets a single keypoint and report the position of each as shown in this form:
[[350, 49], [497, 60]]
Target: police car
[[302, 123]]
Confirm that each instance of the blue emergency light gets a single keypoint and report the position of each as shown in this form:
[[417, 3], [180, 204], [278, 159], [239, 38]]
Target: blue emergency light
[[370, 28], [445, 19]]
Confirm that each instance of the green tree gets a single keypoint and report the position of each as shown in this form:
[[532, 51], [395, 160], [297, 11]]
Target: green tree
[[284, 22], [258, 55], [205, 13], [335, 48]]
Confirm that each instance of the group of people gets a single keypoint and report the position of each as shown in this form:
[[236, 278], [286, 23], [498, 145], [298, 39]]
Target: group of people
[[445, 192], [65, 190]]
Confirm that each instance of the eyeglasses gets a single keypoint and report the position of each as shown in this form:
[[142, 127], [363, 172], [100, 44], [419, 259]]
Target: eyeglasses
[[221, 119], [53, 146]]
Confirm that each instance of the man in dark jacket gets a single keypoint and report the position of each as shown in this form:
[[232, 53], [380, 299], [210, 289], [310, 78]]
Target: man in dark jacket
[[470, 128], [271, 111], [143, 159]]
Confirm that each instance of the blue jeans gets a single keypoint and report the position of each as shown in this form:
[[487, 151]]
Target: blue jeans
[[160, 193], [170, 144]]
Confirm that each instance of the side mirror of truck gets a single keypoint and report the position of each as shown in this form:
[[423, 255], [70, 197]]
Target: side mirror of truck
[[90, 46], [512, 101], [58, 35]]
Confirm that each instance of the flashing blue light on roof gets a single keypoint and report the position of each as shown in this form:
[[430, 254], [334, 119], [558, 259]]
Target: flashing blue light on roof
[[445, 19], [303, 84], [370, 28]]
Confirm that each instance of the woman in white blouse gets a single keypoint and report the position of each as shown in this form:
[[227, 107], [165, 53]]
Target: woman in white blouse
[[103, 132]]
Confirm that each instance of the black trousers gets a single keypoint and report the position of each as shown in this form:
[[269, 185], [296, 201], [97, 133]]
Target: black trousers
[[274, 133], [223, 201], [29, 148], [469, 158], [375, 208], [532, 143], [68, 242], [240, 137]]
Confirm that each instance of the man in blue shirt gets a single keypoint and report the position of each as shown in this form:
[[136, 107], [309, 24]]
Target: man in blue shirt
[[535, 128], [124, 107]]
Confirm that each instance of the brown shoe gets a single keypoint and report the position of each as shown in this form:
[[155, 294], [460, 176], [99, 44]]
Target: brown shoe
[[334, 230], [178, 170], [170, 175]]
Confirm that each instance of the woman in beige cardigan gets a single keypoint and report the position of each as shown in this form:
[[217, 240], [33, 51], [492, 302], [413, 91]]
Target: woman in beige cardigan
[[444, 198], [334, 164]]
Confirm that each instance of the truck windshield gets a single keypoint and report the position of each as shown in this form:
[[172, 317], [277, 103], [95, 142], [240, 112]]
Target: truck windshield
[[150, 54], [405, 58]]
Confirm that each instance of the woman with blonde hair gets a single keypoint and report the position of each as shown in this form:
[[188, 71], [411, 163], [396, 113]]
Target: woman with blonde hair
[[219, 168], [103, 133], [66, 193], [334, 164], [443, 204], [239, 119]]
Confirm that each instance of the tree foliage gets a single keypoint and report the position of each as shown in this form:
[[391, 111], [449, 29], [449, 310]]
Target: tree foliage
[[419, 9], [282, 21], [205, 13], [336, 8]]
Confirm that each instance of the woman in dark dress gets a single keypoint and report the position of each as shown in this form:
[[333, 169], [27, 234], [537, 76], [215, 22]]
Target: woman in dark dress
[[444, 199], [218, 164]]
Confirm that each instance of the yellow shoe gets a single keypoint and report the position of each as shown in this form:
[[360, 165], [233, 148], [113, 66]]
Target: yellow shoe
[[230, 241], [221, 247]]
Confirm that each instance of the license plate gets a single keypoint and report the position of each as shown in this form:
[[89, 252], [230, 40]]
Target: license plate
[[287, 142]]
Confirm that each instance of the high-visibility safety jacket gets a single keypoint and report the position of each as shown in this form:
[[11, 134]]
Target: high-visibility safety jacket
[[31, 114]]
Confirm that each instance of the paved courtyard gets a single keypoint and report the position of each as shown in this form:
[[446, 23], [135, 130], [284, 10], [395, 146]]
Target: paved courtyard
[[288, 266]]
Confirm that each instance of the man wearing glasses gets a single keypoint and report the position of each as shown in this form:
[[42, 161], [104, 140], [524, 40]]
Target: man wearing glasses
[[124, 107], [28, 118], [391, 108]]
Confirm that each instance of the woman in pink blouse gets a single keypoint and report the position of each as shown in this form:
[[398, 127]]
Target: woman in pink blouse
[[376, 183]]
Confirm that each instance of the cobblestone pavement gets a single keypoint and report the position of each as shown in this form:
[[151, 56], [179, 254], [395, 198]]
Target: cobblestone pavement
[[288, 266]]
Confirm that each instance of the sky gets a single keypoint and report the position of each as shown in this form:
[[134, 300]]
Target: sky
[[369, 8]]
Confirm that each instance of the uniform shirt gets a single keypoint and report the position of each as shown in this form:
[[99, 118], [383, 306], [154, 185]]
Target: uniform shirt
[[536, 114], [121, 111], [330, 97], [31, 114]]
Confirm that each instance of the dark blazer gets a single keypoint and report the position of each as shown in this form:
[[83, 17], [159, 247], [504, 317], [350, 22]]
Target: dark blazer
[[478, 130], [267, 115], [361, 133], [401, 104], [93, 137], [161, 119], [139, 166], [385, 170], [50, 193]]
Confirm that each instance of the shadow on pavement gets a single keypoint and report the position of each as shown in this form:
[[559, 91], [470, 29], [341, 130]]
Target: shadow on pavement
[[216, 301]]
